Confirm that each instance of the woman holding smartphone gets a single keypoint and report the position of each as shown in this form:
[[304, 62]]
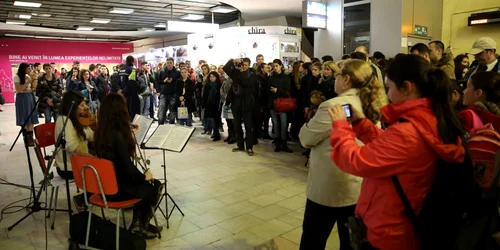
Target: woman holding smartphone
[[332, 194]]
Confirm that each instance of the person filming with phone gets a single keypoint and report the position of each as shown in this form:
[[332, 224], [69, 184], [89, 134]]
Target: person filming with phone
[[331, 193], [242, 97], [166, 84]]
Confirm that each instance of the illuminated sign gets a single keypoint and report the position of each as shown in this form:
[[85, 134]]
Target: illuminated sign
[[314, 14], [480, 21], [485, 18]]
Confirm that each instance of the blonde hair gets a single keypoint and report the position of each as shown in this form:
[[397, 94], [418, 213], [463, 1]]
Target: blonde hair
[[332, 66], [372, 93]]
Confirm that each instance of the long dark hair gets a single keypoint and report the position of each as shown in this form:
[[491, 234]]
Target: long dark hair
[[489, 83], [217, 76], [278, 61], [431, 83], [113, 117], [260, 69], [21, 72], [296, 72], [73, 98]]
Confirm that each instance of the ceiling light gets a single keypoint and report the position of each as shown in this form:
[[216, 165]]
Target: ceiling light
[[41, 15], [47, 37], [21, 15], [27, 4], [146, 29], [97, 39], [18, 35], [223, 9], [160, 25], [85, 28], [18, 22], [100, 20], [120, 11], [25, 16], [192, 17], [73, 38]]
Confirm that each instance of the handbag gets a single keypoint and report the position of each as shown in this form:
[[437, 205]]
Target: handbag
[[227, 113], [285, 104], [182, 113], [357, 234]]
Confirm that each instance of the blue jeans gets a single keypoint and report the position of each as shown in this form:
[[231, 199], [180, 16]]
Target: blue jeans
[[167, 103], [146, 100], [49, 113], [280, 125], [187, 122]]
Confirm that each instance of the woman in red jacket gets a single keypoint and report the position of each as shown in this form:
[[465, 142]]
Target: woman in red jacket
[[482, 97], [422, 129]]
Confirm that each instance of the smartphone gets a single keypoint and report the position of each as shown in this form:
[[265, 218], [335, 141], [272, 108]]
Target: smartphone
[[347, 109]]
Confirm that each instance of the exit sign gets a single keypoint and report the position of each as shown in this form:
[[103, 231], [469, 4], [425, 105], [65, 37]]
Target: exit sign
[[420, 30]]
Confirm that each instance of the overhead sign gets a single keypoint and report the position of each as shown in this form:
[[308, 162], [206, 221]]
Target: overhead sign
[[314, 14], [485, 18], [420, 30]]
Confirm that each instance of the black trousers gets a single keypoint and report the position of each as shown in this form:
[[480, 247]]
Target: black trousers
[[151, 107], [318, 224], [230, 128], [266, 115], [244, 117]]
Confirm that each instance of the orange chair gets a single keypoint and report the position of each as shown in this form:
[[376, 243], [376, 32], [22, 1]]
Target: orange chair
[[45, 137], [98, 176]]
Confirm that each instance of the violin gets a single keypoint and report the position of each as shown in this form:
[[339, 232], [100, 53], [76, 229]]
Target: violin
[[86, 118]]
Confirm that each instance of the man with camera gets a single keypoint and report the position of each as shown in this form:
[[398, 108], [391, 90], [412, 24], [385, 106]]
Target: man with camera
[[241, 97]]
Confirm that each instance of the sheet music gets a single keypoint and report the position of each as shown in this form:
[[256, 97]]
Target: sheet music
[[144, 124], [178, 138], [159, 136]]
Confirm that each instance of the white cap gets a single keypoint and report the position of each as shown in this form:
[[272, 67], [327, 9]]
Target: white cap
[[482, 44]]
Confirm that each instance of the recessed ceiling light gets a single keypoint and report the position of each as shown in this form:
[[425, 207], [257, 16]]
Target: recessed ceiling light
[[223, 9], [100, 20], [18, 22], [22, 15], [160, 25], [120, 11], [25, 16], [192, 17], [41, 15], [27, 4], [85, 28], [146, 29]]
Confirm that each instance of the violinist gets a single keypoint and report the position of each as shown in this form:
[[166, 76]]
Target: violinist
[[77, 135], [114, 140]]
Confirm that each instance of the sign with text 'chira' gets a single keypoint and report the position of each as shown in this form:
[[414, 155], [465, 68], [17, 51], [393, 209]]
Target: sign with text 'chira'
[[290, 31], [256, 30]]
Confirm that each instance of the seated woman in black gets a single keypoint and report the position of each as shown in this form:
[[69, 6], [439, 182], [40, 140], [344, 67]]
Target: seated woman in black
[[114, 141]]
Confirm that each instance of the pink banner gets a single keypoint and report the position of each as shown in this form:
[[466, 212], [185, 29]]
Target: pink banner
[[14, 51]]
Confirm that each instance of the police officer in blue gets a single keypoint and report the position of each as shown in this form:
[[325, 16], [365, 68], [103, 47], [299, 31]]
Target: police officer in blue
[[130, 87]]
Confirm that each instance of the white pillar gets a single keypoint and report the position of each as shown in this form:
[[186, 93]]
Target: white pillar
[[329, 41], [385, 26]]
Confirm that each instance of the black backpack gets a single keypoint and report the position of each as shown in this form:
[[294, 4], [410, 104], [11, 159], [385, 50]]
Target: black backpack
[[103, 233], [455, 215]]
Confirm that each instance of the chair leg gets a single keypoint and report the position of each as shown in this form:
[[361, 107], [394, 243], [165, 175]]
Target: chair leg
[[118, 229], [88, 228], [50, 203], [156, 221], [55, 207]]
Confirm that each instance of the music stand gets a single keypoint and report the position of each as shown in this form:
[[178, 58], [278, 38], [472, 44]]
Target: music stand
[[172, 138]]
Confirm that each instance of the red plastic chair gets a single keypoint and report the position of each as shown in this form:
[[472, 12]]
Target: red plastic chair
[[45, 137], [98, 176]]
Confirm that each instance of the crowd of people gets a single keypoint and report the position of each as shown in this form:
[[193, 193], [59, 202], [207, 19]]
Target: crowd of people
[[406, 114]]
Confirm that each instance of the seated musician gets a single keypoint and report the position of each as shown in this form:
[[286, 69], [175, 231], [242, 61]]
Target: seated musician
[[114, 140], [77, 135]]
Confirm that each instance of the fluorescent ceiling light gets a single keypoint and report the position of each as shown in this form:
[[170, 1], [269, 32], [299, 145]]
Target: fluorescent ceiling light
[[18, 35], [73, 38], [27, 4], [18, 22], [100, 20], [85, 28], [41, 15], [47, 37], [97, 39], [160, 25], [146, 29], [120, 11], [25, 16], [192, 17], [222, 9]]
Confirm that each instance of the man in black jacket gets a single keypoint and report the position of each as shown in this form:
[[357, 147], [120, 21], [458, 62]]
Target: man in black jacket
[[130, 88], [166, 84], [241, 97]]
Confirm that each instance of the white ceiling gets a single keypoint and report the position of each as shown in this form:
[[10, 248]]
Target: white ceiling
[[252, 10]]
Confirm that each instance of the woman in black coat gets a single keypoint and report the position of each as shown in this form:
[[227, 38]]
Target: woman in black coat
[[211, 100], [279, 84], [185, 91]]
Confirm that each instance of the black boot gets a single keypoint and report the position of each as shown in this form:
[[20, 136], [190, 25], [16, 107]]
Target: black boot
[[277, 145], [285, 148]]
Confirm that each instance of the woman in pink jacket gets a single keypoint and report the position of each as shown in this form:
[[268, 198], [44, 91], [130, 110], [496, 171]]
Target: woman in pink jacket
[[423, 127]]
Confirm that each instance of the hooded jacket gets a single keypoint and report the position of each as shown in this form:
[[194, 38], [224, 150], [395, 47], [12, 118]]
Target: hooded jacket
[[406, 149], [447, 65]]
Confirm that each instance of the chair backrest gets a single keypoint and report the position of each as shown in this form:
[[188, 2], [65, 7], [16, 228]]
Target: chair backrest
[[45, 134], [41, 159], [94, 175]]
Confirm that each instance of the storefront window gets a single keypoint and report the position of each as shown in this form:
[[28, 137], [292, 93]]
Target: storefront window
[[356, 25]]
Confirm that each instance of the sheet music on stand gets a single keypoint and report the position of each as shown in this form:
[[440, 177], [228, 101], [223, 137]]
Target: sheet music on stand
[[144, 124], [170, 137]]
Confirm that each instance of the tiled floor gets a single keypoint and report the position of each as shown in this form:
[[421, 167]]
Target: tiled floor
[[230, 200]]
